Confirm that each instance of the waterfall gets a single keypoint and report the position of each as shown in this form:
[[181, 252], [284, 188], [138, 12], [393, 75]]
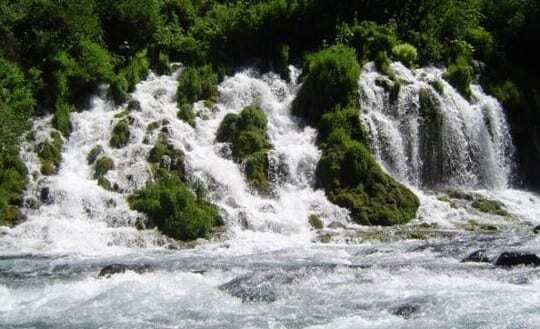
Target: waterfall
[[80, 216], [429, 136]]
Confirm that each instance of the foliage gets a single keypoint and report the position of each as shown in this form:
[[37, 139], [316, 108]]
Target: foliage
[[195, 84], [120, 134], [61, 120], [406, 54], [460, 76], [49, 153], [331, 80], [490, 207], [102, 166]]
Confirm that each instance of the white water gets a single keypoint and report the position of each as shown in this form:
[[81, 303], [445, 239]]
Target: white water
[[49, 264]]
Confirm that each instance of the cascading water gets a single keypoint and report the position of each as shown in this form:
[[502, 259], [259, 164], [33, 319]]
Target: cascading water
[[447, 143], [268, 270]]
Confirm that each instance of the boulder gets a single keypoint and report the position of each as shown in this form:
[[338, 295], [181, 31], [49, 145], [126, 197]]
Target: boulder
[[112, 269], [536, 229], [45, 195], [511, 259], [479, 256], [406, 310]]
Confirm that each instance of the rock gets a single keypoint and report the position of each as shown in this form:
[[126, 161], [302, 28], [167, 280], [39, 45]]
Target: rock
[[536, 229], [336, 225], [479, 256], [112, 269], [45, 195], [406, 310], [134, 105], [511, 259], [165, 162], [315, 222], [257, 287]]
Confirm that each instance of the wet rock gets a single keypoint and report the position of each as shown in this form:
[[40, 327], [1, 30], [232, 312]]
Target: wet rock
[[536, 229], [336, 225], [479, 256], [257, 287], [511, 259], [406, 310], [134, 105], [45, 195], [112, 269], [165, 162]]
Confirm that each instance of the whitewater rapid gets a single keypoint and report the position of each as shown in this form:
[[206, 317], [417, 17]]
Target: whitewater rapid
[[269, 268]]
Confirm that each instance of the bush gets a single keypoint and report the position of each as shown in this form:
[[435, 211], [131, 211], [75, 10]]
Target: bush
[[185, 113], [331, 80], [197, 83], [460, 76], [175, 210], [406, 54], [368, 38], [120, 134], [174, 158], [481, 41], [135, 71], [61, 120]]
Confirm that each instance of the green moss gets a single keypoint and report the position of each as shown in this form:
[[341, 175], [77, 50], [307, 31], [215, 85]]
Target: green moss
[[383, 65], [460, 75], [118, 89], [136, 70], [94, 153], [331, 80], [13, 179], [186, 114], [168, 158], [61, 120], [152, 126], [406, 54], [438, 86], [163, 64], [347, 120], [315, 222], [49, 153], [175, 210], [103, 166], [490, 207], [120, 134], [246, 133], [10, 216]]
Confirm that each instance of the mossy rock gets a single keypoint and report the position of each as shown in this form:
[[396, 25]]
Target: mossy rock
[[246, 132], [490, 207], [347, 119], [152, 126], [186, 114], [94, 153], [120, 134], [330, 81], [61, 119], [176, 211], [49, 153], [168, 158], [438, 86], [11, 216], [315, 222], [460, 76], [103, 166]]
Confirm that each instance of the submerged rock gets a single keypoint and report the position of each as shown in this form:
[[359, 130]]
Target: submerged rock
[[479, 256], [406, 310], [511, 259], [257, 287], [112, 269], [536, 229]]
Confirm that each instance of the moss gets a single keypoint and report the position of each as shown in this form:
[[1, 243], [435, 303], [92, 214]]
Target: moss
[[249, 143], [455, 194], [152, 126], [167, 157], [175, 210], [347, 120], [163, 64], [49, 153], [185, 113], [10, 216], [118, 89], [136, 70], [315, 222], [61, 120], [394, 91], [105, 183], [382, 63], [460, 75], [438, 86], [103, 166], [94, 153], [120, 134], [490, 207], [331, 80]]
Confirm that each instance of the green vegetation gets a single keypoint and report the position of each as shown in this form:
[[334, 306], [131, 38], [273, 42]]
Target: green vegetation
[[195, 84], [315, 222], [460, 76], [406, 54], [347, 171], [490, 207], [246, 132], [169, 203], [94, 153], [120, 134], [103, 166]]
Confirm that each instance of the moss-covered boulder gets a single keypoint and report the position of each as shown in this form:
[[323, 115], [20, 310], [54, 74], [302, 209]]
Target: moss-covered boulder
[[246, 132], [195, 84], [490, 207], [120, 134], [61, 119], [167, 158], [103, 166], [186, 114], [176, 211], [347, 171], [330, 81], [94, 153], [49, 153]]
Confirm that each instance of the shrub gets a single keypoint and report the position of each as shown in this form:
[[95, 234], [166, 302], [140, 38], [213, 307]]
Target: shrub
[[347, 120], [61, 120], [406, 54], [135, 71], [481, 41], [368, 38], [197, 83], [120, 134], [175, 210], [460, 76], [331, 80], [175, 158], [186, 114]]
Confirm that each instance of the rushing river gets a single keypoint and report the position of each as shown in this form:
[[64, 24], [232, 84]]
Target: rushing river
[[269, 268]]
